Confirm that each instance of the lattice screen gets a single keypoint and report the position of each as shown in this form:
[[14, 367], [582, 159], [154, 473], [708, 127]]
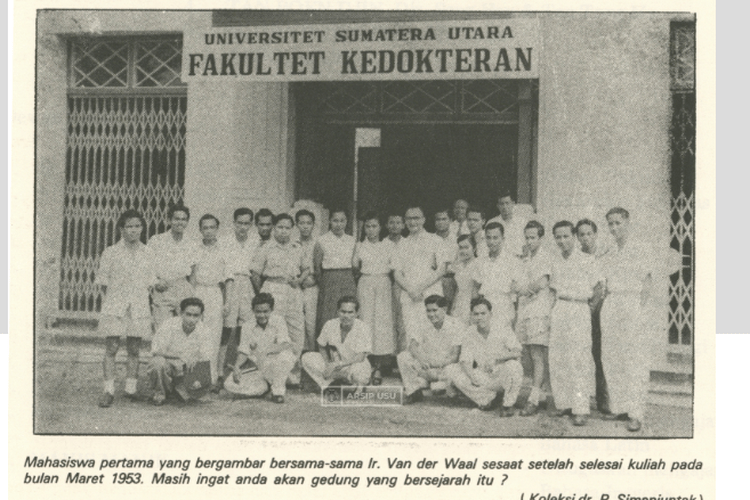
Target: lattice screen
[[124, 150], [489, 100], [682, 135]]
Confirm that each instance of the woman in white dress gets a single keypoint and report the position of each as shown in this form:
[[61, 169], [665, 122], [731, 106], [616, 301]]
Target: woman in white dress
[[373, 261]]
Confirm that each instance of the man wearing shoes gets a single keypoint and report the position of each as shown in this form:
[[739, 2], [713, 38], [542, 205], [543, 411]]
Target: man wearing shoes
[[489, 361], [435, 347], [178, 346], [268, 346]]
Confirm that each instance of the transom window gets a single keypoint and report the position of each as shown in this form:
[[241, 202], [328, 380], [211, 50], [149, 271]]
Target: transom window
[[120, 63]]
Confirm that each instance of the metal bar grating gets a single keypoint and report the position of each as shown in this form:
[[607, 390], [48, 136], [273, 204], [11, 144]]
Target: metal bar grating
[[122, 152], [681, 328]]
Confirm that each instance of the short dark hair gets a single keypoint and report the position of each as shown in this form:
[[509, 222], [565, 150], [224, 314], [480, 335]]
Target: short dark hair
[[130, 214], [348, 299], [564, 223], [495, 225], [282, 216], [477, 209], [263, 212], [191, 301], [263, 298], [480, 301], [533, 224], [303, 212], [618, 211], [207, 217], [243, 211], [506, 194], [412, 206], [467, 237], [338, 210], [439, 300], [586, 222], [370, 215], [178, 208], [442, 209], [394, 212]]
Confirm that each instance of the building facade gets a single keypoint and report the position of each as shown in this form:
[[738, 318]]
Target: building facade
[[606, 118]]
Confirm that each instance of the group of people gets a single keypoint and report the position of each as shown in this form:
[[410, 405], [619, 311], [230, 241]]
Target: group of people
[[465, 308]]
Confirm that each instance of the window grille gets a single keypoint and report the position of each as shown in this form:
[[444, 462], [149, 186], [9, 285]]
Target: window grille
[[125, 149], [682, 141]]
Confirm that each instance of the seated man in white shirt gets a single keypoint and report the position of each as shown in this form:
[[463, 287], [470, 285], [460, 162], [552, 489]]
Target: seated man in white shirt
[[343, 346], [268, 346], [435, 347], [489, 361], [179, 344]]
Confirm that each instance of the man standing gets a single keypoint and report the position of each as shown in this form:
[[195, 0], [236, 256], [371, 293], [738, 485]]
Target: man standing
[[264, 225], [279, 268], [125, 277], [489, 361], [173, 257], [305, 224], [177, 347], [573, 278], [268, 346], [343, 345], [587, 236], [512, 224], [475, 223], [239, 248], [434, 347], [458, 226], [395, 226], [497, 277], [213, 283], [419, 267], [624, 339], [450, 251]]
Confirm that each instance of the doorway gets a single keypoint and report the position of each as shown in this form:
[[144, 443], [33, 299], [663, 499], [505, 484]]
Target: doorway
[[433, 150]]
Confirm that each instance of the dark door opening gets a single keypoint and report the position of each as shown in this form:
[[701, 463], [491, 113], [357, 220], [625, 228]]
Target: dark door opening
[[423, 158]]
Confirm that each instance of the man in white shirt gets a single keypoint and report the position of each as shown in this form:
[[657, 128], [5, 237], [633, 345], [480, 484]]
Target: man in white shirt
[[174, 259], [450, 250], [305, 224], [343, 346], [458, 225], [395, 226], [625, 340], [268, 346], [475, 222], [419, 267], [513, 225], [586, 232], [177, 346], [239, 248], [434, 347], [573, 278], [498, 276], [489, 361]]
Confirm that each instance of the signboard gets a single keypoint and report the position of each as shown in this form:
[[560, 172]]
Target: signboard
[[506, 48]]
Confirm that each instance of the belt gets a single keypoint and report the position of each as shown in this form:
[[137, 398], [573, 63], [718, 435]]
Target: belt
[[282, 281], [580, 301]]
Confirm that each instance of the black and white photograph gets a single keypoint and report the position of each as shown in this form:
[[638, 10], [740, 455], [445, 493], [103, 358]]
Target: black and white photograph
[[365, 223]]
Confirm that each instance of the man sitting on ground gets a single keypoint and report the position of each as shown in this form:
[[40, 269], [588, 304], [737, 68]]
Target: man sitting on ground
[[435, 347], [343, 345], [178, 346], [489, 361], [268, 346]]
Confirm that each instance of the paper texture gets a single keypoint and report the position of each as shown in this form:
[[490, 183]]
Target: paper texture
[[599, 136]]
